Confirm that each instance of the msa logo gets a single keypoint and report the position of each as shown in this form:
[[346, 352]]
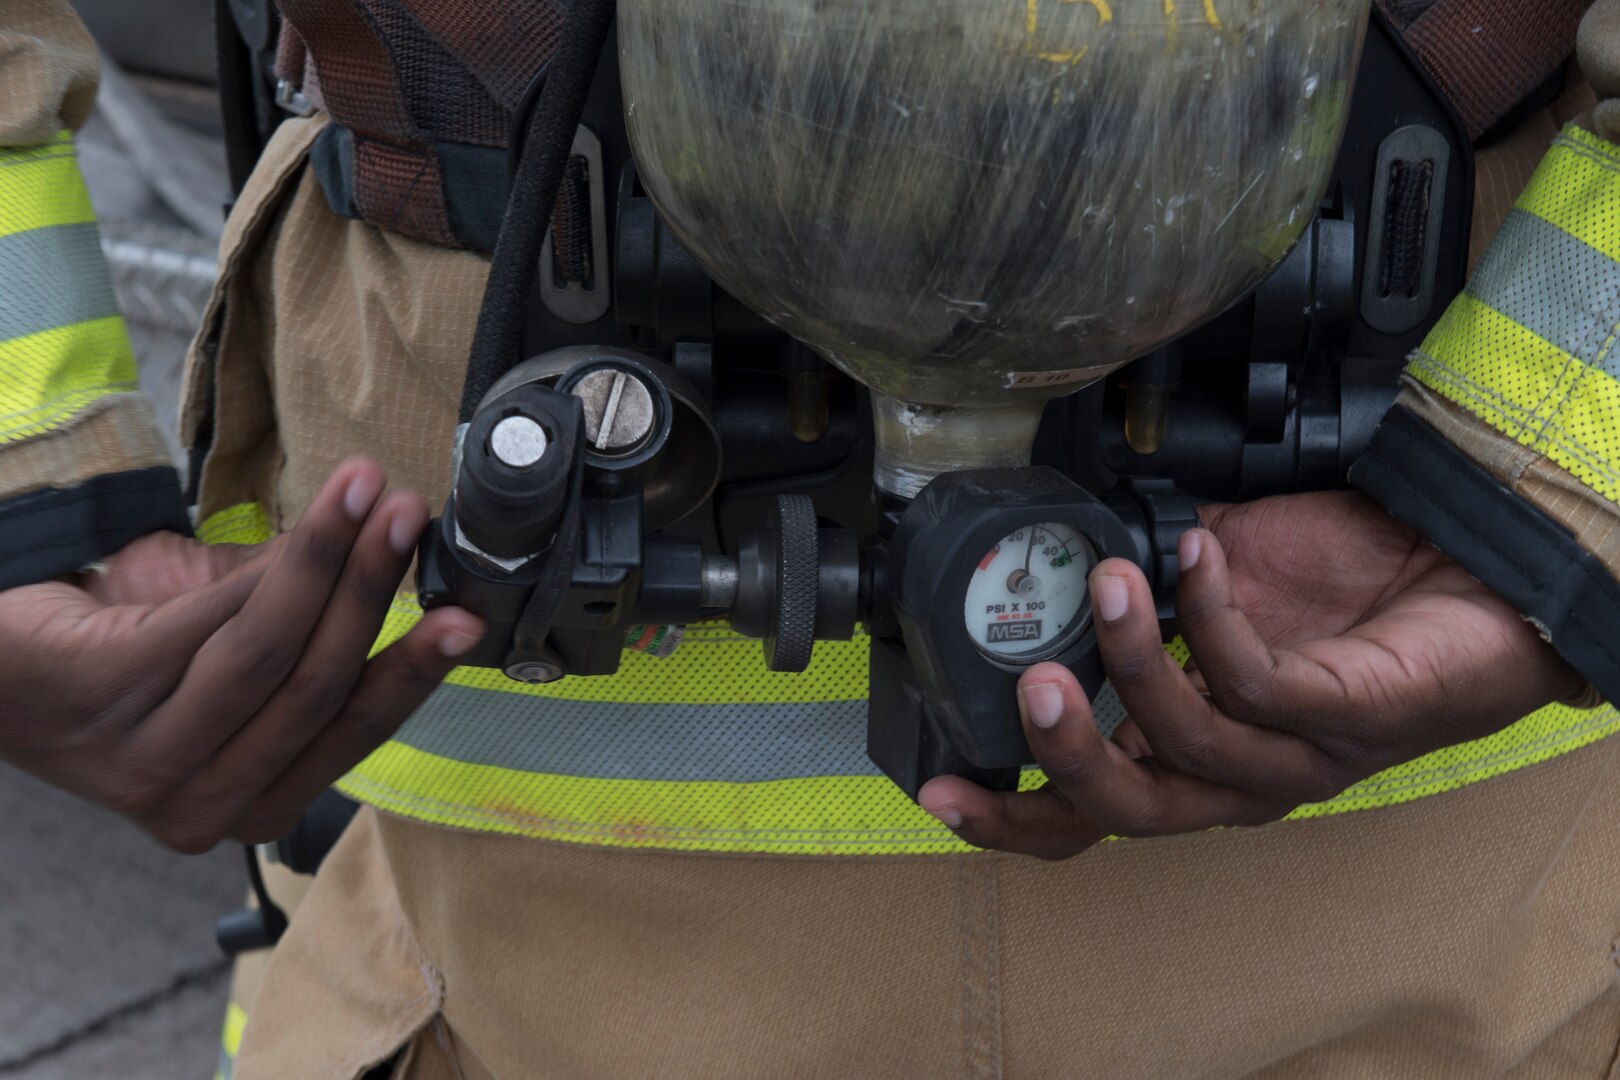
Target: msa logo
[[999, 633]]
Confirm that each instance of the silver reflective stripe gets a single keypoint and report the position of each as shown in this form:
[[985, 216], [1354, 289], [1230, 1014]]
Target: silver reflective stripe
[[1552, 284], [741, 743], [52, 277]]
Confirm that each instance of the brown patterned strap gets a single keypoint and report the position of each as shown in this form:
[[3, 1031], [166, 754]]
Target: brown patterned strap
[[502, 44], [409, 78], [1488, 55]]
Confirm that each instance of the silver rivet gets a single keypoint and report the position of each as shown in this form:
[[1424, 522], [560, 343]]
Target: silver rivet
[[534, 671], [518, 441]]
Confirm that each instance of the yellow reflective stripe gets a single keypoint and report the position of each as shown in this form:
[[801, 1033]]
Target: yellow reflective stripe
[[244, 523], [728, 673], [40, 186], [230, 1039], [1577, 188], [1527, 388], [642, 678], [821, 815], [46, 378], [1539, 737], [839, 674]]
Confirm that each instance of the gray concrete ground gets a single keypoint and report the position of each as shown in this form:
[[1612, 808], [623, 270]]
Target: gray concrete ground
[[107, 961], [107, 944]]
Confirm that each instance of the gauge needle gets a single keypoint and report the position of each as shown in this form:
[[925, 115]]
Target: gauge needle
[[1029, 552]]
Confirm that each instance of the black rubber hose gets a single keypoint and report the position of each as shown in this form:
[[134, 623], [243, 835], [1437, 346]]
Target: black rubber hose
[[546, 146]]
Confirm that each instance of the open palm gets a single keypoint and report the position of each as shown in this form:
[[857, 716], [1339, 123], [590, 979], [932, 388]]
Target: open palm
[[1328, 642]]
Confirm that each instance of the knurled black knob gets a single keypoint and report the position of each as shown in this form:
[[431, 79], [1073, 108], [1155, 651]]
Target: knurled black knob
[[798, 579]]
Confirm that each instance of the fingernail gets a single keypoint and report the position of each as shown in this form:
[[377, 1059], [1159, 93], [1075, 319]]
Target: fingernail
[[362, 495], [1192, 546], [1111, 595], [458, 643], [950, 816], [403, 532], [1044, 702]]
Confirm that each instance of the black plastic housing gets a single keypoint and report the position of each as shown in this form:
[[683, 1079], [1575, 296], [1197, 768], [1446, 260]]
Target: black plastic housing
[[939, 704]]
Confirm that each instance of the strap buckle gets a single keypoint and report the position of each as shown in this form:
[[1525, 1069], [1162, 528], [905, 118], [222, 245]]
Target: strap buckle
[[291, 99]]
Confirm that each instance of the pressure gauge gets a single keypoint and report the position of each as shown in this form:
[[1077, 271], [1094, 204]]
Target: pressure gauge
[[1027, 600], [986, 574]]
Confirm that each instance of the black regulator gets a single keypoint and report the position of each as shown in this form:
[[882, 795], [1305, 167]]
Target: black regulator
[[666, 456]]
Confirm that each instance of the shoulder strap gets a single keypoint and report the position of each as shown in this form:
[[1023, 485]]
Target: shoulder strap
[[1488, 55]]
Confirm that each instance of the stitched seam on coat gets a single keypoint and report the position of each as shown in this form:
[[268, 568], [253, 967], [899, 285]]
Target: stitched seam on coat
[[981, 997], [1595, 364], [1558, 436]]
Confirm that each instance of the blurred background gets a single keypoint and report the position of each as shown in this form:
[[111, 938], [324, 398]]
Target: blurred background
[[106, 939]]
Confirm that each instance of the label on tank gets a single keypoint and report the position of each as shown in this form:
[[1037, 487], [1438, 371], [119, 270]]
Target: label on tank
[[1033, 380]]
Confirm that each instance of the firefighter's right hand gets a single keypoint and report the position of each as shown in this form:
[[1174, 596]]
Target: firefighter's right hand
[[213, 693]]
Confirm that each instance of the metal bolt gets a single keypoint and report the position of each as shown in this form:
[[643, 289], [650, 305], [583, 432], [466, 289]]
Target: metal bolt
[[1023, 583], [619, 411], [518, 441], [534, 671]]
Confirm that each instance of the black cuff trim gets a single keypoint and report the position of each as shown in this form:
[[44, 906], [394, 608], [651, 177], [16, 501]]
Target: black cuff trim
[[1530, 560], [62, 530]]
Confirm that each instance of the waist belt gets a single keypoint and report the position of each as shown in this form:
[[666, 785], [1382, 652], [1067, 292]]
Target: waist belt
[[449, 193]]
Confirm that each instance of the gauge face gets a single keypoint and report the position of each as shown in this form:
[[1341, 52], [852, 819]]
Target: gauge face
[[1027, 598]]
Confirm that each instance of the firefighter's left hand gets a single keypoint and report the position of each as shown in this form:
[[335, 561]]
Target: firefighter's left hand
[[1328, 642]]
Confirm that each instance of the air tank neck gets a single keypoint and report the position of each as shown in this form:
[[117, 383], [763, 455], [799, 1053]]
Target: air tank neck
[[917, 442]]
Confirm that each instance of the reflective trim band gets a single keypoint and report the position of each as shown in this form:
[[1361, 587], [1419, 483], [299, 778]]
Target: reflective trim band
[[1541, 736], [40, 186], [731, 742], [230, 1040], [840, 815], [1575, 188], [1527, 388], [1531, 347], [47, 378], [62, 345], [51, 277], [747, 769], [244, 523], [1555, 286]]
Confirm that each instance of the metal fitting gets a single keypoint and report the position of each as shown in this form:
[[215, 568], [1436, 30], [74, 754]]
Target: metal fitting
[[495, 562], [518, 442], [534, 671], [720, 581]]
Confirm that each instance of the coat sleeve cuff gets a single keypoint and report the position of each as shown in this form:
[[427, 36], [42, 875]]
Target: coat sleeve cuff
[[56, 531], [1514, 548]]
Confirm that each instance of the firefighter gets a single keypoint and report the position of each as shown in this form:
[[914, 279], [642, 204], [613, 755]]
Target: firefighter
[[553, 882]]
